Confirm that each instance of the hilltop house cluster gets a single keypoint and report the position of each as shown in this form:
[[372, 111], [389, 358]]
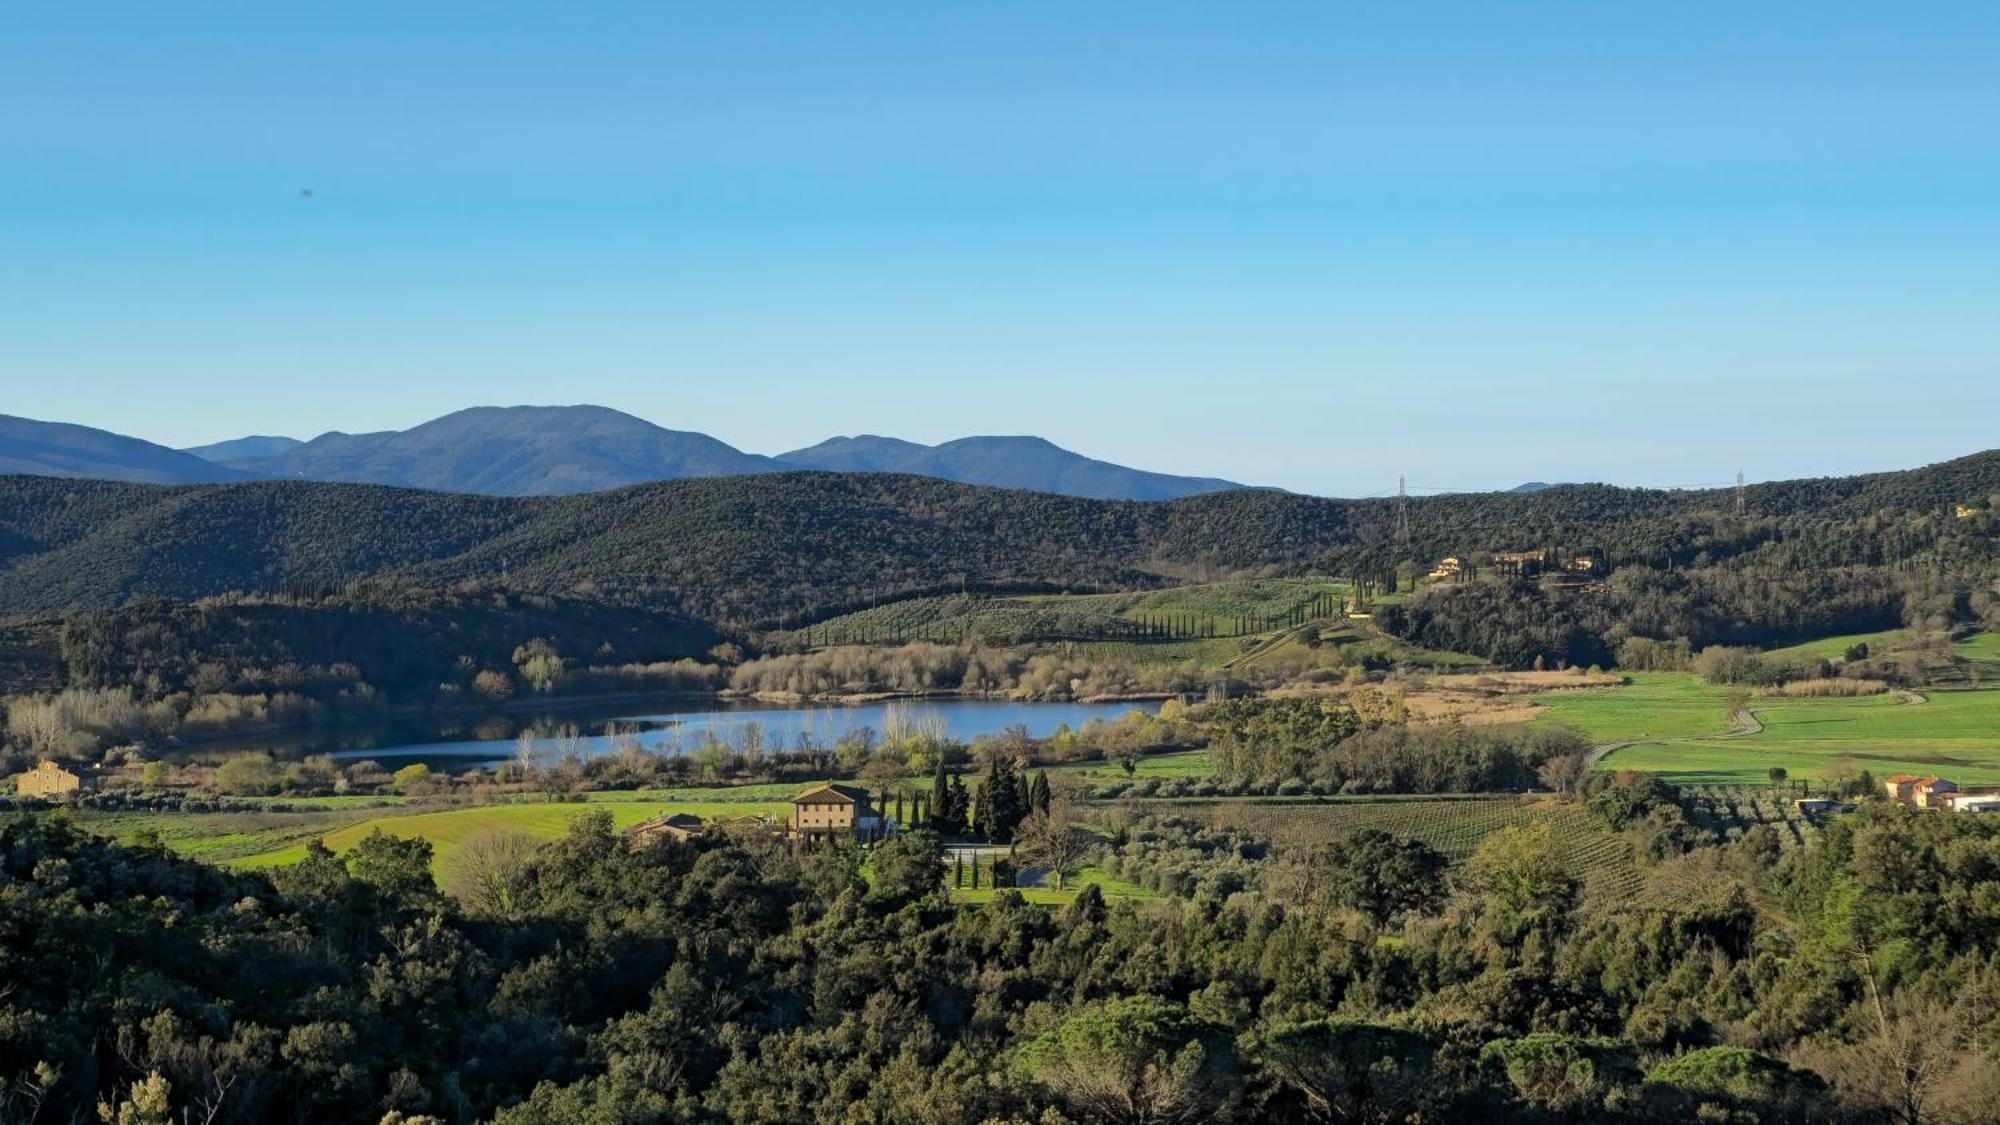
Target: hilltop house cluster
[[1919, 791], [1933, 792], [1534, 563]]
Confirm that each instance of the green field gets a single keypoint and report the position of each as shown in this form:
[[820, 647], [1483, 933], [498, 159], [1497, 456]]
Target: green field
[[1972, 660], [1834, 648], [1682, 731], [1956, 733], [1980, 653], [225, 837], [1182, 763], [1653, 705], [447, 830]]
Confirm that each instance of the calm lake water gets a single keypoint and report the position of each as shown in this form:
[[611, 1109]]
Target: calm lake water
[[464, 742]]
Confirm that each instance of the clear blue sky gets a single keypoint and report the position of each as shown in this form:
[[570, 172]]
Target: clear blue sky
[[1312, 245]]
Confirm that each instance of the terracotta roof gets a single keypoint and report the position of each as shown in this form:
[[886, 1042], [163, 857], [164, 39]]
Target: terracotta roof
[[847, 793], [683, 821], [1902, 779], [1935, 783]]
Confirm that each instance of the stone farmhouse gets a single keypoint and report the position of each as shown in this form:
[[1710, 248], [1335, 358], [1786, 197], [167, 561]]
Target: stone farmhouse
[[1927, 792], [833, 809], [52, 781]]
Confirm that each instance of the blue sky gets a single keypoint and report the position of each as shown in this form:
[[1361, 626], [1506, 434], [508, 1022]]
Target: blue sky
[[1313, 245]]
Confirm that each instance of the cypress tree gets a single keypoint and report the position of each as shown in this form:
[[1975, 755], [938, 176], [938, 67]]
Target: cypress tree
[[960, 805], [1038, 795], [940, 799], [981, 820]]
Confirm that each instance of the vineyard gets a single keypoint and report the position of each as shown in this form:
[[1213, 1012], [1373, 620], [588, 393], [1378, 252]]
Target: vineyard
[[1592, 853], [1189, 613]]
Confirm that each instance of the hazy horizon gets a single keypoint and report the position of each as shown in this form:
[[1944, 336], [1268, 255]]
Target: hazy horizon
[[1418, 484]]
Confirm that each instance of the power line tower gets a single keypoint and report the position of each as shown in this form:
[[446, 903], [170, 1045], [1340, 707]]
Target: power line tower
[[1741, 507], [1403, 512]]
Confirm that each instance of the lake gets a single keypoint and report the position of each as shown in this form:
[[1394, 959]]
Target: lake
[[464, 742]]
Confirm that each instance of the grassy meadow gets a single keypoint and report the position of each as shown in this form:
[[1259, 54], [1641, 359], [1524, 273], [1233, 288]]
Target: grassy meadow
[[449, 829], [1652, 706], [1678, 726]]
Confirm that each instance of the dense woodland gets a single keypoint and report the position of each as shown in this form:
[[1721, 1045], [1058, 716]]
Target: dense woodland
[[785, 549], [404, 643], [1518, 622], [594, 981]]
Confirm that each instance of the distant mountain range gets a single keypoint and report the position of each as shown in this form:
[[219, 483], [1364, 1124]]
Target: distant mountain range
[[562, 450], [1003, 462], [244, 448], [57, 449]]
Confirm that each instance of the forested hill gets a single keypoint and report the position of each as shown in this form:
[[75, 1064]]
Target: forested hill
[[758, 550]]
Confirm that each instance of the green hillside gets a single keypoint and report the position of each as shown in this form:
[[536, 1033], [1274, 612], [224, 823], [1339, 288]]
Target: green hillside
[[779, 549]]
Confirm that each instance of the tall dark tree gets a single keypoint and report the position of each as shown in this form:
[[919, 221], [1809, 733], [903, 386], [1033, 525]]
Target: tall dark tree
[[941, 800], [1380, 875]]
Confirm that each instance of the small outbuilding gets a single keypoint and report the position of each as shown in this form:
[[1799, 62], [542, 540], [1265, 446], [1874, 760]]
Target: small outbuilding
[[675, 826]]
